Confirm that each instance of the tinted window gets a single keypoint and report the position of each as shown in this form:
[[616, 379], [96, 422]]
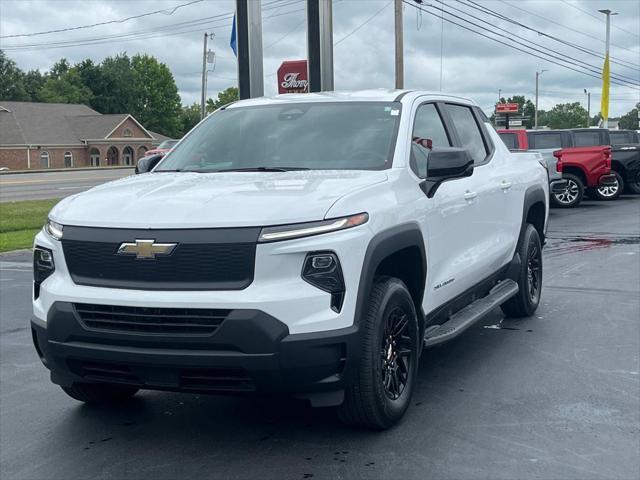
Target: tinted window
[[468, 131], [586, 139], [619, 138], [510, 140], [316, 136], [428, 131], [545, 140]]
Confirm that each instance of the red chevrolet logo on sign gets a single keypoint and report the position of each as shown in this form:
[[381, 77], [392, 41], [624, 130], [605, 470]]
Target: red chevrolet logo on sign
[[292, 77], [507, 108]]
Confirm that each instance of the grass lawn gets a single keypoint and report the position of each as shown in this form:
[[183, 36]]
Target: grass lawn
[[20, 221]]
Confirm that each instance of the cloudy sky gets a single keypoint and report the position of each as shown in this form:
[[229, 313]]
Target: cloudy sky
[[363, 33]]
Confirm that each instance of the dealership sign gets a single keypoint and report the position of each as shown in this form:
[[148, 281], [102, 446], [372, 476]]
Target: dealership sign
[[506, 108], [292, 77]]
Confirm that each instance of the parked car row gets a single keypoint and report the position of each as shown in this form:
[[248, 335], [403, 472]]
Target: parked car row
[[592, 161]]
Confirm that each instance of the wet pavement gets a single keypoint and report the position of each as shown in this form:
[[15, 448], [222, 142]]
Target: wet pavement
[[556, 395]]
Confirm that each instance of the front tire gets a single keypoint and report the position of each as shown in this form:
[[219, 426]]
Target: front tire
[[526, 301], [633, 184], [99, 393], [386, 374], [610, 192], [572, 195]]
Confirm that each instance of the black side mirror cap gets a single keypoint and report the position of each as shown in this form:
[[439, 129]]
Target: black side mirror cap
[[444, 164], [146, 164]]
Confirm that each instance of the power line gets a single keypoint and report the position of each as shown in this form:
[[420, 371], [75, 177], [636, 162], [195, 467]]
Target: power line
[[165, 11], [563, 26], [362, 24], [544, 51], [598, 18], [559, 55], [508, 44]]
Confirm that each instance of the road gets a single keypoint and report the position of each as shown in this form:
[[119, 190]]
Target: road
[[555, 396], [41, 185]]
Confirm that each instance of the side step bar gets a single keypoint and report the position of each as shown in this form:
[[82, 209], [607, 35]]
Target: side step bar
[[470, 314]]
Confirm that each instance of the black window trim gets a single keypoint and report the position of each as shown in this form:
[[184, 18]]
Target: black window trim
[[486, 140]]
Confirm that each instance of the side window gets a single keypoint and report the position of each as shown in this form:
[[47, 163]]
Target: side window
[[546, 140], [428, 132], [509, 140], [620, 138], [468, 131], [587, 139]]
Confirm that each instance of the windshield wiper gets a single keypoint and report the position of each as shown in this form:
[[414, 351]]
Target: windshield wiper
[[263, 169]]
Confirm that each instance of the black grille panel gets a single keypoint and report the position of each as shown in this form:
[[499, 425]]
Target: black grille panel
[[215, 259], [150, 320]]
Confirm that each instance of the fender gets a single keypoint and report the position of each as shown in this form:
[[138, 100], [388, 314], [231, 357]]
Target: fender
[[380, 247], [534, 194]]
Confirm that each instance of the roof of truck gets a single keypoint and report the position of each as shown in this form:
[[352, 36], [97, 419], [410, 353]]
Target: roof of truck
[[372, 95]]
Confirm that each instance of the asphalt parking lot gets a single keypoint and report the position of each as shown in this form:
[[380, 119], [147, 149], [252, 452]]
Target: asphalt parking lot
[[556, 395]]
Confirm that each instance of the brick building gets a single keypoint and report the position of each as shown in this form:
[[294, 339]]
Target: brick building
[[56, 135]]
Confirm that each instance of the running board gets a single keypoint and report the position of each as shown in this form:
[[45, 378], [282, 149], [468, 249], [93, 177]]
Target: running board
[[470, 314]]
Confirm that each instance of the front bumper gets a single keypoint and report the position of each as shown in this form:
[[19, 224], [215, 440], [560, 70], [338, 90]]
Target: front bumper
[[250, 351], [607, 180]]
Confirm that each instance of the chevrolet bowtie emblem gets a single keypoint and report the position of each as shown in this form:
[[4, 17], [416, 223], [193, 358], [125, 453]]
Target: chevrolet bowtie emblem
[[146, 249]]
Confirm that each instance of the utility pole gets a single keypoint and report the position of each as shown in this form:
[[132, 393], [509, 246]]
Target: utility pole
[[588, 107], [605, 72], [203, 95], [499, 94], [535, 124], [399, 45], [320, 45]]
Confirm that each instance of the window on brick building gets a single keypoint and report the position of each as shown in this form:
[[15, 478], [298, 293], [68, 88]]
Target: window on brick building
[[44, 159], [68, 159]]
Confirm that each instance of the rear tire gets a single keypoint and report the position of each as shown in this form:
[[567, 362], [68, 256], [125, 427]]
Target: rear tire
[[610, 192], [572, 195], [526, 301], [97, 393], [633, 184], [385, 377]]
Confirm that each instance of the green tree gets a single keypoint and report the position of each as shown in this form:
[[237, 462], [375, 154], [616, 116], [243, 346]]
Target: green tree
[[68, 88], [225, 97], [59, 68], [33, 82], [629, 120], [566, 115], [12, 85], [156, 103], [113, 85], [189, 117], [527, 109]]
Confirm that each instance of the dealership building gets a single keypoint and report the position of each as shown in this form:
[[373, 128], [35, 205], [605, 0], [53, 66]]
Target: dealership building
[[57, 135]]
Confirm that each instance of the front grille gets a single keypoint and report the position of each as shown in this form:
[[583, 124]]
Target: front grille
[[207, 259], [181, 321]]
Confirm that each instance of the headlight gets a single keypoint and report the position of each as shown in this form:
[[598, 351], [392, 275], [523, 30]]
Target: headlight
[[53, 229], [298, 230]]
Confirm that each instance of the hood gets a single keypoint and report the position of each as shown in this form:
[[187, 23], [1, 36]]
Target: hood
[[199, 200]]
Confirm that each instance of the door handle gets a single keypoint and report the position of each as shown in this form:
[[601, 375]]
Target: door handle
[[469, 195], [505, 185]]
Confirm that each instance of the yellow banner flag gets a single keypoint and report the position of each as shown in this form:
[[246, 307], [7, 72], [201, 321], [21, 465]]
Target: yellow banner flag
[[604, 105]]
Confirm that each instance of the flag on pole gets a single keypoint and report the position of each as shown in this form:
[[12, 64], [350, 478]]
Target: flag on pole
[[604, 105], [233, 43]]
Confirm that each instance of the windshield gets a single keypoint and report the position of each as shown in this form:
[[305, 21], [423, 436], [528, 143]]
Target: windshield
[[167, 144], [315, 136]]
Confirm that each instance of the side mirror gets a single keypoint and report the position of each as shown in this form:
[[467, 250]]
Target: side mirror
[[146, 164], [446, 164]]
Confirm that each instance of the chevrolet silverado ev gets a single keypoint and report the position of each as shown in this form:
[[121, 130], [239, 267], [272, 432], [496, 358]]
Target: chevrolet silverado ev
[[312, 244]]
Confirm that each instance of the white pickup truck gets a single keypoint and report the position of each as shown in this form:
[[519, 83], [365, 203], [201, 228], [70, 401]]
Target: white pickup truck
[[312, 244]]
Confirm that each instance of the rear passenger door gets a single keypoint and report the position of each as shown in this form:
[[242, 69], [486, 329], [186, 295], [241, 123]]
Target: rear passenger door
[[489, 194]]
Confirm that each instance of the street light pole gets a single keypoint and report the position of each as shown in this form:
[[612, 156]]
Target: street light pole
[[588, 107], [535, 125], [203, 94]]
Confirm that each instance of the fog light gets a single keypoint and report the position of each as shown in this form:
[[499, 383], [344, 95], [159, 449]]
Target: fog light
[[322, 270]]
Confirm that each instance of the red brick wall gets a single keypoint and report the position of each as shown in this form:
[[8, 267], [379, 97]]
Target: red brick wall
[[136, 131], [16, 159]]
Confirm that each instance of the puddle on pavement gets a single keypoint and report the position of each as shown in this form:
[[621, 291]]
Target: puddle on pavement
[[574, 244]]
